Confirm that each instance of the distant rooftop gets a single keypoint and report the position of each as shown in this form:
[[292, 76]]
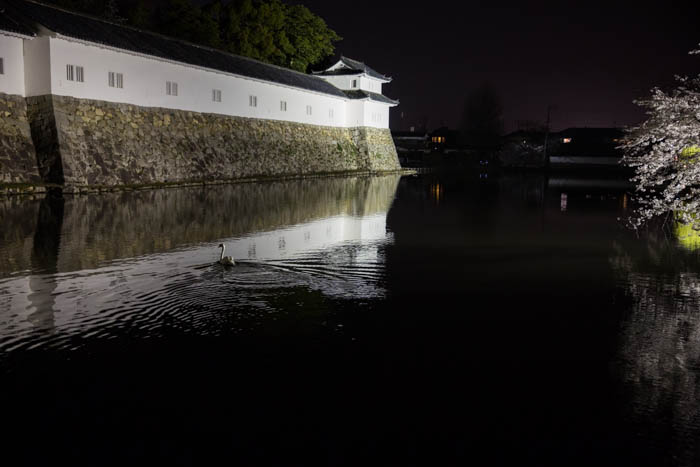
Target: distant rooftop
[[592, 132], [27, 14]]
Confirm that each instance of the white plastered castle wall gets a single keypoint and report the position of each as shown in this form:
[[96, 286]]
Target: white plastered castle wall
[[12, 77], [144, 84], [43, 71], [37, 66], [361, 82]]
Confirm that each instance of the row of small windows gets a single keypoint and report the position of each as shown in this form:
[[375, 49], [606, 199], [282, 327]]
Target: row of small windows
[[116, 80]]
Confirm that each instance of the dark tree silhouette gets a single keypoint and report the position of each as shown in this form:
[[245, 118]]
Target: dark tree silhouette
[[268, 30], [482, 118]]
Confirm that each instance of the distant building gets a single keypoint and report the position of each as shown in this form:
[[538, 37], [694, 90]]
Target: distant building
[[410, 140], [585, 147], [443, 138]]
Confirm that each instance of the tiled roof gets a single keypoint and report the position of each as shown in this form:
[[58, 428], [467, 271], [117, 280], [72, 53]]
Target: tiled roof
[[353, 67], [357, 65], [8, 24], [98, 31], [359, 94]]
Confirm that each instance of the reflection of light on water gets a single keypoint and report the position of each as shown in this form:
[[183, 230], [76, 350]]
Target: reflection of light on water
[[436, 192], [659, 355], [563, 202]]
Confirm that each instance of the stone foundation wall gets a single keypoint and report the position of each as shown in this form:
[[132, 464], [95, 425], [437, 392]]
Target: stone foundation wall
[[18, 162], [379, 147], [87, 142]]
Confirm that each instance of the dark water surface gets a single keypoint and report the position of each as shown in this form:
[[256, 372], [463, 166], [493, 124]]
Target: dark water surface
[[439, 319]]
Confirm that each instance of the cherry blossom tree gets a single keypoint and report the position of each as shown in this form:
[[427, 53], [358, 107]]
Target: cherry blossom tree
[[664, 152]]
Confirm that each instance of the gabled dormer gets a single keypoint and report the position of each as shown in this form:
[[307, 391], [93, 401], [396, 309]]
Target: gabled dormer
[[351, 75]]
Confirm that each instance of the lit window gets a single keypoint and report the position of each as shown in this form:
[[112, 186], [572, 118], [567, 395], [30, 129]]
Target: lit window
[[171, 88], [354, 83], [566, 140], [2, 66], [216, 95], [252, 101], [308, 110], [79, 75], [70, 72], [283, 106]]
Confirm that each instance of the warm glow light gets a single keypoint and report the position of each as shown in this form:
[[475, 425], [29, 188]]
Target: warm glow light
[[566, 140], [687, 236]]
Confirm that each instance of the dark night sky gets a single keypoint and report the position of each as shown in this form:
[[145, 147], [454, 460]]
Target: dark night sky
[[588, 60]]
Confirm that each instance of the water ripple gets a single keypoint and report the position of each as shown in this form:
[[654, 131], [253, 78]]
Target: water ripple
[[176, 292]]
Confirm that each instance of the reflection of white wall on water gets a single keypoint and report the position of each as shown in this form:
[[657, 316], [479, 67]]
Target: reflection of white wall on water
[[50, 301], [593, 183], [315, 235], [81, 302]]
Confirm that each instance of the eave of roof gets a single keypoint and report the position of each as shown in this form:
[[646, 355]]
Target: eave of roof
[[373, 96], [339, 72]]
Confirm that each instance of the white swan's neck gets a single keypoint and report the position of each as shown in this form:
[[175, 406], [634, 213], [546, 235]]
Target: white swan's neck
[[223, 248]]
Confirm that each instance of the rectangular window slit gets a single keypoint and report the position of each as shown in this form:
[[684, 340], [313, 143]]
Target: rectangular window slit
[[171, 88]]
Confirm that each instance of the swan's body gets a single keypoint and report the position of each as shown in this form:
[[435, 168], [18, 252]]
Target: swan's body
[[225, 260]]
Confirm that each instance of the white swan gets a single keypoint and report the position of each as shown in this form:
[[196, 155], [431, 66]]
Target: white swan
[[225, 260]]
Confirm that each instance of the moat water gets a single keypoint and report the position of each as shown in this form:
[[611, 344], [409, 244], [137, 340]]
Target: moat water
[[439, 319]]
